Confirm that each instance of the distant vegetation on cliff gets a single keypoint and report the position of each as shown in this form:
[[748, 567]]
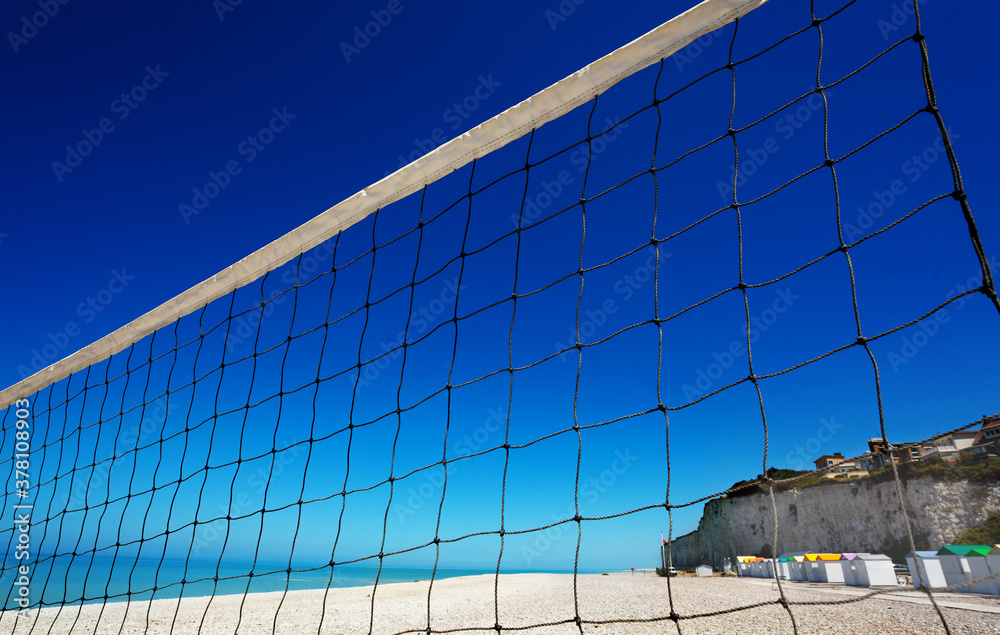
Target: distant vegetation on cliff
[[968, 468], [748, 488], [986, 534]]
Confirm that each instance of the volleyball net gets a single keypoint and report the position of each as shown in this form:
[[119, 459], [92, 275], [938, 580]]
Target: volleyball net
[[513, 345]]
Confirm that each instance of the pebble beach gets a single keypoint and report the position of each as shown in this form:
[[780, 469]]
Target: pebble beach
[[525, 599]]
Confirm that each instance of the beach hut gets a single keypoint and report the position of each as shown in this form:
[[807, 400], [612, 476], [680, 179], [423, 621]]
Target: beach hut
[[703, 571], [788, 564], [762, 566], [830, 569], [824, 567], [793, 569], [930, 569], [874, 569], [812, 567], [743, 565], [848, 570], [768, 566], [993, 561], [979, 568], [782, 564], [797, 568], [955, 564]]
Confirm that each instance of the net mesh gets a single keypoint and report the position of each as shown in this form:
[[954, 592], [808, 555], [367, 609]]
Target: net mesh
[[524, 311]]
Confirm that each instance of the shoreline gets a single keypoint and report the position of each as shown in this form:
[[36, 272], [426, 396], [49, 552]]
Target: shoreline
[[466, 603], [148, 579]]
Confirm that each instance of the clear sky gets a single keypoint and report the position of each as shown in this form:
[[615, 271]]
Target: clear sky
[[292, 111]]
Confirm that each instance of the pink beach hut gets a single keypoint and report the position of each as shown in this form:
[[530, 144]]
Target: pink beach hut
[[848, 568]]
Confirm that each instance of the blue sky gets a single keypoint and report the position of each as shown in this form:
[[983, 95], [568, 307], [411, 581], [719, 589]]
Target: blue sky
[[213, 132]]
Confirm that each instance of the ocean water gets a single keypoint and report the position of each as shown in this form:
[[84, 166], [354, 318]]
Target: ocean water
[[86, 579]]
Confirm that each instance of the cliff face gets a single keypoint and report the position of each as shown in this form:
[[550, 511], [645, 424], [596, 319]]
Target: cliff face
[[853, 516]]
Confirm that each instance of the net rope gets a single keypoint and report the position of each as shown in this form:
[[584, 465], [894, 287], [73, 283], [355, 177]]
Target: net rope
[[126, 386]]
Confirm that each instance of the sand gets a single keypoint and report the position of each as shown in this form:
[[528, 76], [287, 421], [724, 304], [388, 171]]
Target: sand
[[525, 599]]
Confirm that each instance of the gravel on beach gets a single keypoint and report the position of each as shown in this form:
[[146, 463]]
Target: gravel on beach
[[467, 603]]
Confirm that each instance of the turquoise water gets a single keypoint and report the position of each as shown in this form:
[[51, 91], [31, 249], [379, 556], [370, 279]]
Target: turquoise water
[[85, 579]]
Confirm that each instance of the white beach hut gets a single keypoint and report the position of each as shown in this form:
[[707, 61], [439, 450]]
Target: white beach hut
[[825, 567], [955, 564], [768, 565], [848, 569], [831, 571], [993, 561], [743, 565], [703, 571], [797, 568], [783, 572], [874, 569], [850, 572], [979, 568], [930, 569], [811, 568], [788, 564], [794, 569]]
